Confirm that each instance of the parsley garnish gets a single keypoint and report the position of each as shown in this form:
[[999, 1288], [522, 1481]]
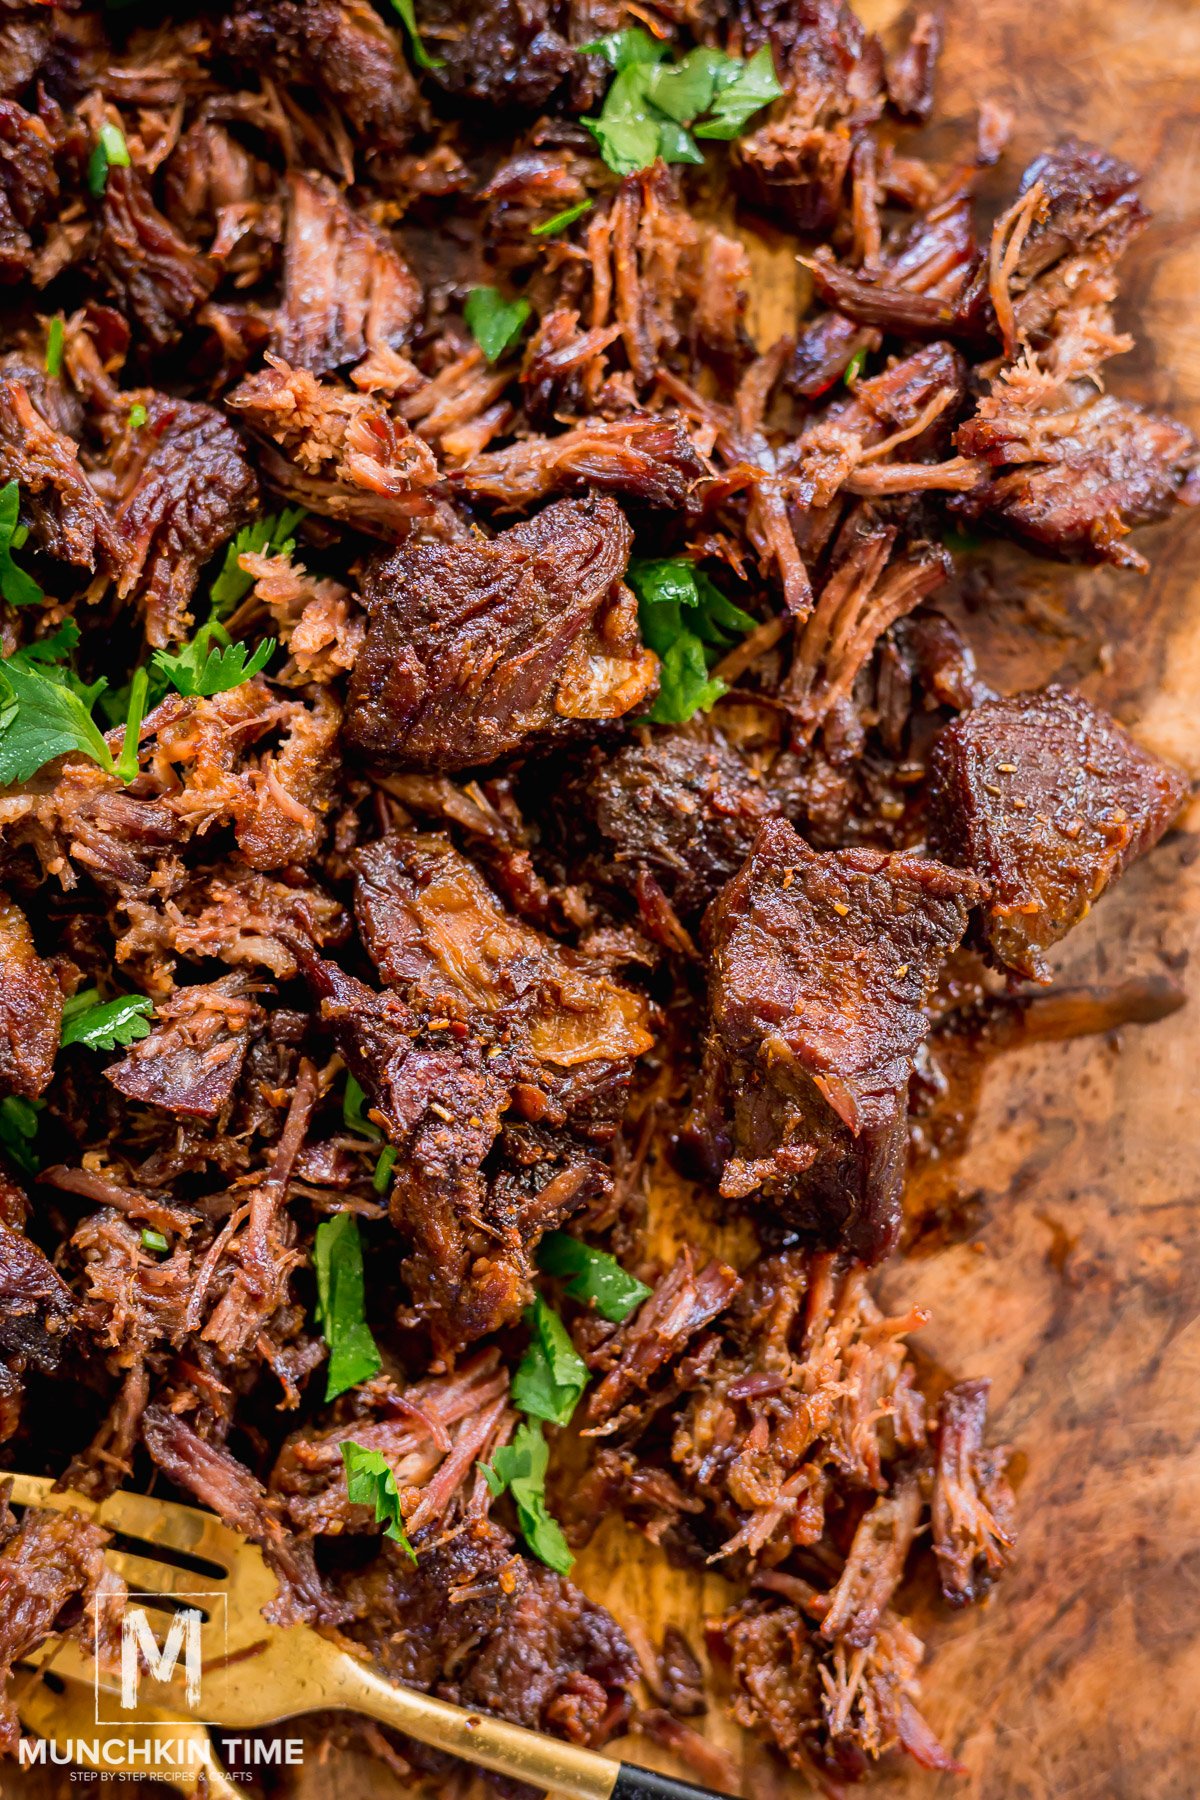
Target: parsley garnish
[[104, 1024], [552, 1374], [18, 588], [42, 717], [420, 54], [341, 1305], [18, 1131], [272, 535], [494, 322], [654, 108], [594, 1276], [154, 1240], [688, 623], [371, 1482], [206, 667], [54, 347], [519, 1469], [111, 152], [561, 220]]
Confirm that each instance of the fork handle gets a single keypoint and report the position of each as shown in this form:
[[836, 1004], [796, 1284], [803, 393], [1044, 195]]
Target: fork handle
[[566, 1770]]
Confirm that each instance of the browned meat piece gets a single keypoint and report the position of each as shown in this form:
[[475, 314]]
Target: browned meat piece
[[28, 186], [485, 1018], [154, 276], [1072, 469], [65, 512], [875, 1566], [651, 460], [506, 53], [1047, 799], [220, 1482], [475, 647], [191, 1061], [821, 965], [632, 1356], [972, 1511], [207, 172], [682, 808], [888, 303], [187, 488], [910, 75], [236, 915], [344, 50], [346, 289], [30, 1008], [49, 1560], [344, 454], [825, 1711], [824, 351], [37, 1310]]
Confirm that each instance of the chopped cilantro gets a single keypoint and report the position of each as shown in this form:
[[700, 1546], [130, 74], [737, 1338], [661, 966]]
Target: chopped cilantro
[[519, 1469], [420, 55], [272, 535], [127, 762], [654, 107], [341, 1305], [594, 1276], [854, 367], [49, 650], [494, 322], [688, 623], [383, 1169], [41, 717], [138, 416], [370, 1481], [552, 1375], [353, 1102], [111, 152], [54, 347], [561, 220], [18, 588], [18, 1131], [206, 667], [154, 1240], [104, 1024]]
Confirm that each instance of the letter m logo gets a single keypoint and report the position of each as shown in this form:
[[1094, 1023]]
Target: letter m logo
[[139, 1643]]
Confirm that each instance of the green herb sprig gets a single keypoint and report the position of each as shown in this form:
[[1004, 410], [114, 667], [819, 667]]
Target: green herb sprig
[[689, 624], [494, 322], [592, 1277], [17, 587], [341, 1305], [654, 108], [105, 1024], [111, 152], [519, 1469], [18, 1131], [552, 1375], [371, 1482]]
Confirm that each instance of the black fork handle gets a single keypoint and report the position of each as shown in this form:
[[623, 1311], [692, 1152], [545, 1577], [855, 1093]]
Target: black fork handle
[[633, 1783]]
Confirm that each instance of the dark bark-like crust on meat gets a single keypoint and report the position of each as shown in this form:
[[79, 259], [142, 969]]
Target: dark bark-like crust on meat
[[820, 968], [30, 1008], [1047, 800], [66, 514], [50, 1560], [154, 276], [346, 289], [476, 647]]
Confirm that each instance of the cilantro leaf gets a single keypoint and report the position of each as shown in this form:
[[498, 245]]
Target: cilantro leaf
[[688, 623], [127, 762], [593, 1275], [138, 416], [552, 1375], [104, 1024], [341, 1305], [111, 152], [41, 717], [18, 588], [18, 1131], [353, 1102], [494, 322], [519, 1469], [153, 1240], [204, 668], [420, 54], [736, 102], [272, 535], [49, 650], [370, 1481], [622, 49], [54, 346], [561, 220]]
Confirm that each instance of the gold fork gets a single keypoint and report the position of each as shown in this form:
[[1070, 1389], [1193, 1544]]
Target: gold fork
[[254, 1674], [62, 1710]]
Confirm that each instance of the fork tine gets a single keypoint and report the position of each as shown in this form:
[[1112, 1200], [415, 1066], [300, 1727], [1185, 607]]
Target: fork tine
[[143, 1575], [165, 1522]]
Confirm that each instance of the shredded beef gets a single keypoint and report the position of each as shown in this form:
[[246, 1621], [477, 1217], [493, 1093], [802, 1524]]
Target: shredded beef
[[30, 1008], [346, 289]]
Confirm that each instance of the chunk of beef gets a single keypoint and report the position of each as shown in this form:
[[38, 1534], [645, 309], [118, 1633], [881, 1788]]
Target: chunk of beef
[[49, 1561], [821, 965], [485, 1018], [28, 186], [343, 454], [875, 1565], [650, 460], [187, 488], [37, 1309], [505, 53], [208, 172], [1071, 469], [65, 512], [972, 1511], [910, 74], [346, 289], [154, 276], [1047, 799], [191, 1061], [682, 808], [475, 647], [30, 1008], [344, 50]]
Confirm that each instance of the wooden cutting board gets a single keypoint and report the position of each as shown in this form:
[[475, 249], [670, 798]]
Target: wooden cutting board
[[1075, 1281]]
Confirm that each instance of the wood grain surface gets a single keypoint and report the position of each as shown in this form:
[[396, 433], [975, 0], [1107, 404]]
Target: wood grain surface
[[1074, 1279]]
